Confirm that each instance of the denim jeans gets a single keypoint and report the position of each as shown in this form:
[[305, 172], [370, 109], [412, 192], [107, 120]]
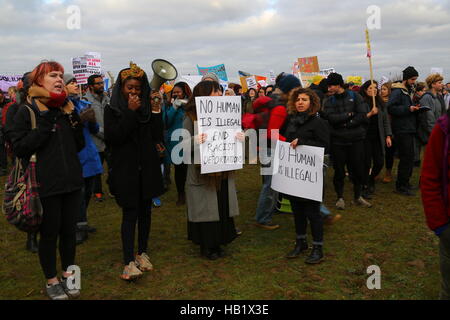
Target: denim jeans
[[268, 197]]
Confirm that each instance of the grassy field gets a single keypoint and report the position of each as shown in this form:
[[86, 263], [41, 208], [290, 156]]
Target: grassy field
[[392, 235]]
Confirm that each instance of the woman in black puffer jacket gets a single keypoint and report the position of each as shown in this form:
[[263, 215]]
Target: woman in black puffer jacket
[[303, 126]]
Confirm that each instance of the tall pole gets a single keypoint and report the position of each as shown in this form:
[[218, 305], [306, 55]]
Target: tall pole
[[369, 55]]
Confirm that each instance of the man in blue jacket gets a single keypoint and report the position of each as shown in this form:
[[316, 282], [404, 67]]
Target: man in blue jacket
[[404, 126]]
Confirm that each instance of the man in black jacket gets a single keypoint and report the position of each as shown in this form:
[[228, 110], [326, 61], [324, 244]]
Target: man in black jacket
[[404, 126], [346, 113]]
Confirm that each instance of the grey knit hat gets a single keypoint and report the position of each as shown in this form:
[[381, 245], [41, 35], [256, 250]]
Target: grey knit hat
[[211, 76], [68, 78]]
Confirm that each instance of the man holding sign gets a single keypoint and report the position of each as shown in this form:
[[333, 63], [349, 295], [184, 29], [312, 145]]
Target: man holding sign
[[210, 189], [298, 168]]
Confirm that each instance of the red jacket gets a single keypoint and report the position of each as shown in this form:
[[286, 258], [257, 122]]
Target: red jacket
[[435, 177], [277, 116]]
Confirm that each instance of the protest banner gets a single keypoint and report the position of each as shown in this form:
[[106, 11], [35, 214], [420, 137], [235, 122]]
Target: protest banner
[[357, 80], [220, 119], [8, 81], [219, 70], [79, 70], [192, 81], [308, 64], [298, 172]]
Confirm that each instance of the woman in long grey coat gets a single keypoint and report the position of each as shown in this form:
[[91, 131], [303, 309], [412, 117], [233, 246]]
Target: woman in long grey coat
[[211, 198]]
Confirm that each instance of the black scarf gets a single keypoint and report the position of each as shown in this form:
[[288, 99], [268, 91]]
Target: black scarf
[[119, 103]]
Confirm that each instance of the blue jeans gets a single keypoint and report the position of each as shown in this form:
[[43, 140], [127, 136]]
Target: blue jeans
[[267, 198]]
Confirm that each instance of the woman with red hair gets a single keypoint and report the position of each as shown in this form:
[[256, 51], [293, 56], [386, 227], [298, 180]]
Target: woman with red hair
[[56, 142]]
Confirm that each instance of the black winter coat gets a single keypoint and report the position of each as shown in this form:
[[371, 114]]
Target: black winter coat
[[135, 173], [347, 115], [310, 130], [57, 140], [402, 119]]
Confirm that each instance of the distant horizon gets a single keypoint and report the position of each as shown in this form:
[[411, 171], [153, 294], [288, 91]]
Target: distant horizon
[[268, 35]]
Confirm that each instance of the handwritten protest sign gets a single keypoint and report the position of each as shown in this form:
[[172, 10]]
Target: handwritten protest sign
[[219, 70], [220, 119], [357, 80], [79, 69], [308, 64], [298, 172], [8, 81]]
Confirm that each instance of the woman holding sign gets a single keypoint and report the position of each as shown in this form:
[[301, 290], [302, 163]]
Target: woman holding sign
[[211, 198], [304, 127]]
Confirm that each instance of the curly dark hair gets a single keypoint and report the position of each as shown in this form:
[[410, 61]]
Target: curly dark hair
[[314, 99]]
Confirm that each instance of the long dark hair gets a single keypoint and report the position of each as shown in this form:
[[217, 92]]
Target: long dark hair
[[368, 99], [203, 89]]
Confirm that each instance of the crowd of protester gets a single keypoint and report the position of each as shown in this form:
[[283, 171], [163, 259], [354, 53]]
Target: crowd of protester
[[361, 128]]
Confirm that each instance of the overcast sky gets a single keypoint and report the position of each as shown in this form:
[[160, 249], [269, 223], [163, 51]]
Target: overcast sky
[[254, 36]]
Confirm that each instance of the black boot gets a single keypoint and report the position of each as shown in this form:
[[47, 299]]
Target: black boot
[[210, 254], [81, 236], [366, 193], [32, 244], [316, 255], [300, 246], [371, 186]]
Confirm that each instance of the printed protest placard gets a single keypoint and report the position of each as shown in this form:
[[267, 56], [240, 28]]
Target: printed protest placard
[[220, 119], [298, 172], [251, 82], [93, 63], [79, 69], [8, 81]]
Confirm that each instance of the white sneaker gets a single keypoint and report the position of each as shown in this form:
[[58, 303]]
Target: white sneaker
[[340, 204], [143, 262], [363, 203], [131, 272]]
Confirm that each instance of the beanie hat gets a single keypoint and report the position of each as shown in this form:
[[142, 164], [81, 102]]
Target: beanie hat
[[68, 77], [210, 75], [289, 82], [335, 79], [409, 73]]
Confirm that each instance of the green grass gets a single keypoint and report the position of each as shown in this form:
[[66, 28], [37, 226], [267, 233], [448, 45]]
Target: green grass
[[392, 235]]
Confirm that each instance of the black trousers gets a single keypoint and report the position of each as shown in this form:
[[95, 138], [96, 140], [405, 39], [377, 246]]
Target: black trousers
[[374, 159], [405, 146], [86, 197], [180, 177], [352, 156], [304, 211], [140, 215], [59, 221], [3, 153], [390, 154], [98, 188]]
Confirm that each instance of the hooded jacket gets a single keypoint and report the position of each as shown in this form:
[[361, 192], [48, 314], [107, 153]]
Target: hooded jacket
[[400, 101], [435, 176], [427, 119], [135, 172]]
